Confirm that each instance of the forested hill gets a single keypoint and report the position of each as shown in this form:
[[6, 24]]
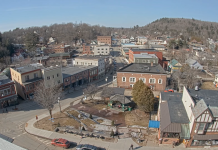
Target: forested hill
[[188, 27]]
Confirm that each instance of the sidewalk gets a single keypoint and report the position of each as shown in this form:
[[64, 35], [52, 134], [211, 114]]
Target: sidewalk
[[122, 144]]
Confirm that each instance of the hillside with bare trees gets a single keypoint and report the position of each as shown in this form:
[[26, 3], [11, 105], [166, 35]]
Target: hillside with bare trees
[[175, 27]]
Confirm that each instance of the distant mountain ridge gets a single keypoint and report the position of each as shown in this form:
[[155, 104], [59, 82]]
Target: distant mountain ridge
[[187, 27]]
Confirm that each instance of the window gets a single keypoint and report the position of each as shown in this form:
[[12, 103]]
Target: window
[[52, 76], [27, 77], [123, 79], [48, 77], [159, 81], [151, 80], [131, 85], [9, 91], [148, 61], [132, 79], [201, 128], [57, 74], [143, 79], [35, 75], [59, 81]]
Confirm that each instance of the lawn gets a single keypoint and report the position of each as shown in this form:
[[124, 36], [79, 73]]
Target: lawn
[[137, 117], [60, 119], [208, 86]]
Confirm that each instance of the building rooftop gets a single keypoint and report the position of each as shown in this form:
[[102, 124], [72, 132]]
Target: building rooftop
[[92, 57], [71, 70], [148, 50], [176, 108], [4, 80], [60, 54], [157, 46], [28, 68], [143, 68], [209, 96], [145, 55]]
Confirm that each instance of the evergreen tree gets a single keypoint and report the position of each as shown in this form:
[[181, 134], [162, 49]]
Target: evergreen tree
[[31, 39], [143, 96]]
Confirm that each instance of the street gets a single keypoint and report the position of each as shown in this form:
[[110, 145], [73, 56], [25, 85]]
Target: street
[[12, 123]]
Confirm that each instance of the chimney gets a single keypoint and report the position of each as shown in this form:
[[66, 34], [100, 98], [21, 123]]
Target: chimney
[[151, 63]]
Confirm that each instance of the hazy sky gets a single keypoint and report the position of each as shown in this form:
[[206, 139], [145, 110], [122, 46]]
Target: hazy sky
[[111, 13]]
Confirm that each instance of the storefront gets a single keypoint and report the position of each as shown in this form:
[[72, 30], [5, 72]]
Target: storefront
[[8, 101], [205, 140]]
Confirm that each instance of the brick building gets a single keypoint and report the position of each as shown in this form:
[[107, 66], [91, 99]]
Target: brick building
[[8, 94], [153, 76], [87, 49], [78, 75], [148, 51], [102, 40], [61, 48]]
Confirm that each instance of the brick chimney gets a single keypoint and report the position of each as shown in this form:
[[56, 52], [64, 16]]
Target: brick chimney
[[151, 63]]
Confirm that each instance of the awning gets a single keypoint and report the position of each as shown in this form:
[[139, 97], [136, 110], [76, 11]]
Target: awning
[[154, 124], [206, 137], [185, 133], [8, 98]]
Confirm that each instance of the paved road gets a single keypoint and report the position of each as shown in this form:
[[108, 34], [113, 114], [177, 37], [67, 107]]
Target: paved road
[[12, 123]]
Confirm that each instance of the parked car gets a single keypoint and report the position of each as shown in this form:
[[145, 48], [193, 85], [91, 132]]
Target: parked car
[[86, 147], [60, 142]]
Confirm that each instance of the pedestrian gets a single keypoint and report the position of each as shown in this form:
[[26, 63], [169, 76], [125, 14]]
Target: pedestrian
[[131, 147]]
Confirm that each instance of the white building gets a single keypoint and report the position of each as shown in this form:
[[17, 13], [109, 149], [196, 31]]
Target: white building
[[92, 60], [141, 40], [102, 50], [125, 40]]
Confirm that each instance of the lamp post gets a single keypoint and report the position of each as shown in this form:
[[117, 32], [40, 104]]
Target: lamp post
[[59, 103], [106, 79]]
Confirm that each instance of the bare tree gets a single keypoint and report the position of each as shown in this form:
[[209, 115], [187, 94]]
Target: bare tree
[[47, 95], [182, 56], [91, 91], [107, 92], [186, 76]]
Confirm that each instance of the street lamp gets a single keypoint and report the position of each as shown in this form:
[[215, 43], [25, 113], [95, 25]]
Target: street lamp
[[106, 80], [59, 103]]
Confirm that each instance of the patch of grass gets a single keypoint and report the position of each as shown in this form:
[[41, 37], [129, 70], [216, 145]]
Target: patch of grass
[[100, 106], [88, 122], [100, 120], [59, 119], [208, 86], [74, 113], [132, 119]]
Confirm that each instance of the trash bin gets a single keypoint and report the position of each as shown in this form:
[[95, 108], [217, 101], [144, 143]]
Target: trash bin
[[129, 108]]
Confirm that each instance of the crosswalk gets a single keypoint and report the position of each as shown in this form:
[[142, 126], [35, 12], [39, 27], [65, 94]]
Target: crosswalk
[[44, 141]]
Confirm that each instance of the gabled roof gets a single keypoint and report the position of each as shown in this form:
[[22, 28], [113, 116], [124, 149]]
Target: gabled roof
[[199, 108], [121, 98], [173, 62], [214, 111]]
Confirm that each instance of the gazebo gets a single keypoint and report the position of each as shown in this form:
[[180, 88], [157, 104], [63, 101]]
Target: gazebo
[[120, 101]]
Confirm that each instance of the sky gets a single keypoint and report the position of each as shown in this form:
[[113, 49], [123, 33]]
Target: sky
[[110, 13]]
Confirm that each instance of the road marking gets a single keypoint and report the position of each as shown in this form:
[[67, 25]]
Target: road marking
[[44, 141]]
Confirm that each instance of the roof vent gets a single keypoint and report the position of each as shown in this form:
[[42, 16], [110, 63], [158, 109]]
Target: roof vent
[[196, 88]]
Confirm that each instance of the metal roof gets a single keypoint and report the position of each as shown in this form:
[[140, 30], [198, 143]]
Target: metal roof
[[172, 113], [143, 68], [148, 50], [121, 98], [145, 55]]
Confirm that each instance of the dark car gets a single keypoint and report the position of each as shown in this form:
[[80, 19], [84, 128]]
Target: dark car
[[86, 147], [61, 143]]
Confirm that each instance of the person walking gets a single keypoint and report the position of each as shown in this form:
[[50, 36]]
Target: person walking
[[131, 147]]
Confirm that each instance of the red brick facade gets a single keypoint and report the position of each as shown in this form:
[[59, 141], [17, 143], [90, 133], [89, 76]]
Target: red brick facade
[[154, 86], [158, 54], [104, 39], [61, 49], [87, 49]]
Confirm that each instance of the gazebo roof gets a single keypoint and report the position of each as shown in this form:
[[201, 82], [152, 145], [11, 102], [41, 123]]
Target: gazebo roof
[[120, 98]]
